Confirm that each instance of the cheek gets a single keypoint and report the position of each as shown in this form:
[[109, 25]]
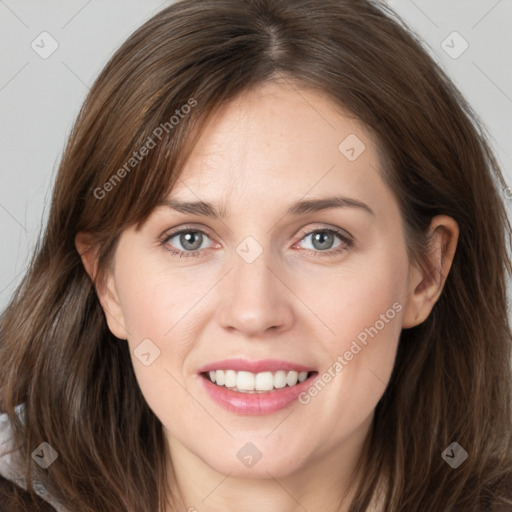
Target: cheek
[[359, 296], [364, 313], [158, 304], [153, 299], [152, 313]]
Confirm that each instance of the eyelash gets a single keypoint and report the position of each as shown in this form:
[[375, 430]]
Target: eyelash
[[346, 242]]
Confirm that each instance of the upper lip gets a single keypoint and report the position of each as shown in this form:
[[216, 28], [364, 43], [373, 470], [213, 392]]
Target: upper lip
[[262, 365]]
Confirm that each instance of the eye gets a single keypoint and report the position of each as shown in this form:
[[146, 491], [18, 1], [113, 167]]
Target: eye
[[185, 242], [324, 241]]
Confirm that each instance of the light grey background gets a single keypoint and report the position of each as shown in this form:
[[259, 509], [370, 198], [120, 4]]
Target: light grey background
[[40, 97]]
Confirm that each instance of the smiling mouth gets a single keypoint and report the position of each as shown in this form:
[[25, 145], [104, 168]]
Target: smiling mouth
[[254, 383]]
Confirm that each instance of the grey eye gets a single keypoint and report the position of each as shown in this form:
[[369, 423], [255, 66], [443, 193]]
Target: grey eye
[[322, 240]]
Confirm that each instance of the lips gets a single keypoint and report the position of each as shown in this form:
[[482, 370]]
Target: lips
[[255, 387], [264, 365]]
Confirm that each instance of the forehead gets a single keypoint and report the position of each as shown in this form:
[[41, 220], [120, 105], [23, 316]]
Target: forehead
[[279, 142]]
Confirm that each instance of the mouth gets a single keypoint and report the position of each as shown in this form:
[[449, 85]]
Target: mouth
[[256, 383], [255, 387]]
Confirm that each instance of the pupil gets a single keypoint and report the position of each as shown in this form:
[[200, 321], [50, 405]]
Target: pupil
[[324, 240], [187, 240]]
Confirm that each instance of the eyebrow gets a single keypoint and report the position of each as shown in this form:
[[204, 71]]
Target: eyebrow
[[304, 207]]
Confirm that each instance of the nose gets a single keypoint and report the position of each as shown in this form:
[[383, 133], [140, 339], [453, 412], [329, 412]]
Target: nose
[[254, 298]]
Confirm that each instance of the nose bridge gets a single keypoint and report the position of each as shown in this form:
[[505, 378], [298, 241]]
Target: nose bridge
[[253, 298]]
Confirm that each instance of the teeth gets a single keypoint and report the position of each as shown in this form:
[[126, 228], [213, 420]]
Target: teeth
[[292, 378], [230, 381], [220, 378], [280, 380], [264, 382], [247, 382]]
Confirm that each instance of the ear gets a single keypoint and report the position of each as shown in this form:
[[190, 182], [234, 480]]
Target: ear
[[427, 284], [105, 286]]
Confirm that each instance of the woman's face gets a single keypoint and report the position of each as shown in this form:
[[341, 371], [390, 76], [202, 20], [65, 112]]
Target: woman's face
[[291, 263]]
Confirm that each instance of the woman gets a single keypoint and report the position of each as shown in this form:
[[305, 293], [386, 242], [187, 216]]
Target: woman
[[273, 278]]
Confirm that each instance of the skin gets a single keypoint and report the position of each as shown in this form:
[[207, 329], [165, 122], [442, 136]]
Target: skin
[[268, 148]]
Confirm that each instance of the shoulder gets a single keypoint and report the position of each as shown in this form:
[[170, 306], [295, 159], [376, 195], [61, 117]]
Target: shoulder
[[13, 495], [6, 449], [15, 499], [10, 467]]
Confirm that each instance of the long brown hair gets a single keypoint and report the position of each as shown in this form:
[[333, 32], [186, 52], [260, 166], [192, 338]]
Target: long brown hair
[[452, 376]]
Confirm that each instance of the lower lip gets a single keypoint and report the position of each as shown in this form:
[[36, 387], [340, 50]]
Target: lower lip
[[255, 403]]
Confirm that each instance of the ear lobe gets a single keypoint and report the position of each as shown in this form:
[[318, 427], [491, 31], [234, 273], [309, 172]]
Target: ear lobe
[[105, 287], [426, 284]]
